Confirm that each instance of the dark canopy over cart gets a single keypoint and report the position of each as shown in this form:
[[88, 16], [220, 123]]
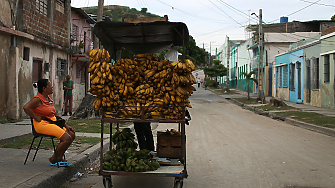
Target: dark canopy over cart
[[141, 38]]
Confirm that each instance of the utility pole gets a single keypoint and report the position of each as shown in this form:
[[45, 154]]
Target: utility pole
[[228, 53], [99, 18], [210, 53], [260, 57]]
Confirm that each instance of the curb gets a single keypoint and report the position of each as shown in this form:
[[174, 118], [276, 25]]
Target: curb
[[60, 176], [308, 126], [323, 130], [3, 141]]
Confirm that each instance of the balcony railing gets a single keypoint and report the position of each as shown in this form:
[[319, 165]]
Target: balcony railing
[[88, 45]]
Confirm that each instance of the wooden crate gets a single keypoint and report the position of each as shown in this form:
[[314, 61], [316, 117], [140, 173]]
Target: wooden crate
[[168, 146]]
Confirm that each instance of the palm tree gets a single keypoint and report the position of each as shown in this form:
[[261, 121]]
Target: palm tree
[[248, 78]]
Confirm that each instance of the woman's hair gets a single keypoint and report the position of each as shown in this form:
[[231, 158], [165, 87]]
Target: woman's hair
[[41, 84]]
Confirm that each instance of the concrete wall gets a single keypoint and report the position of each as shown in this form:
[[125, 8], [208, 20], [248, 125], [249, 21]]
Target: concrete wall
[[4, 63], [283, 93], [47, 55]]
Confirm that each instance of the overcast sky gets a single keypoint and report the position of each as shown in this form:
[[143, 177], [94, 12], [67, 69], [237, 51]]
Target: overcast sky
[[210, 21]]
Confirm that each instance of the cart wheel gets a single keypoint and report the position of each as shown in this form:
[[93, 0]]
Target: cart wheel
[[178, 183], [107, 182]]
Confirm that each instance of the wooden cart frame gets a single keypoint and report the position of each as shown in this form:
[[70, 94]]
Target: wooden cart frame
[[178, 172], [143, 38]]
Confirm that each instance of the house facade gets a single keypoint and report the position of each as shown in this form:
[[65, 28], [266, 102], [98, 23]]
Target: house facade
[[34, 44], [81, 42], [277, 39], [327, 68]]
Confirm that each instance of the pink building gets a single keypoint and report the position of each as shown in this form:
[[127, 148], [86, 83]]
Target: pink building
[[81, 42]]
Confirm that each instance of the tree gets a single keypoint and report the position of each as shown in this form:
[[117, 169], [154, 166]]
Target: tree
[[192, 51], [333, 17], [144, 10], [217, 70], [248, 78]]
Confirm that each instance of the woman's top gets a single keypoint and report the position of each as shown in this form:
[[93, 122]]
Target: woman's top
[[47, 108], [68, 85]]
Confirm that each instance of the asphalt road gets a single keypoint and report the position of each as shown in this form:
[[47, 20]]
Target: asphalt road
[[228, 146]]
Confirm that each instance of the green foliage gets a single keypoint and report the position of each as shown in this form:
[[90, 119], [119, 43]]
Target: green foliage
[[81, 44], [248, 76], [216, 70], [216, 62], [211, 83], [116, 13], [194, 53], [333, 17], [144, 10]]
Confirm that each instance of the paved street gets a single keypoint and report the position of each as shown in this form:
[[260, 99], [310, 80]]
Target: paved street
[[228, 146]]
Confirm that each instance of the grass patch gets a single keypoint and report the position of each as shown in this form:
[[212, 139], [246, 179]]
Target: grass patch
[[225, 92], [311, 117], [244, 100], [24, 143], [270, 107], [90, 125]]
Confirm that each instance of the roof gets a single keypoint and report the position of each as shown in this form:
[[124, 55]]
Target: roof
[[83, 14], [140, 38]]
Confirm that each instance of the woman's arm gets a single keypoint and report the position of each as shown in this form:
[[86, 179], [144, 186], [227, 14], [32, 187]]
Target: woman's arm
[[33, 103]]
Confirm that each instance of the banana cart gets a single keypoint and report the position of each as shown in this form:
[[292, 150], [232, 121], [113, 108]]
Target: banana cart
[[143, 37]]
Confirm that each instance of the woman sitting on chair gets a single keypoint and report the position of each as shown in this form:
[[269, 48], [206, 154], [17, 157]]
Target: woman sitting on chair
[[42, 106]]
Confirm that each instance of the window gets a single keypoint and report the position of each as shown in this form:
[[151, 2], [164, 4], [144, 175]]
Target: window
[[285, 76], [42, 7], [277, 76], [74, 32], [291, 77], [61, 67], [26, 52], [60, 5], [315, 74], [326, 67]]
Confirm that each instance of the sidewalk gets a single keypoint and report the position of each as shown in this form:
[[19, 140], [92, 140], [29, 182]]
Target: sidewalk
[[303, 107], [39, 173]]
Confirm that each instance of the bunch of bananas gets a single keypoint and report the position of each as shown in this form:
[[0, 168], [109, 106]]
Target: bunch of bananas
[[145, 85], [129, 160], [173, 132], [124, 157], [124, 139]]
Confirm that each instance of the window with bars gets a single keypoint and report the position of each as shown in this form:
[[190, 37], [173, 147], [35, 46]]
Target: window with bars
[[315, 74], [285, 76], [277, 76], [62, 67], [326, 68], [42, 7], [60, 5], [74, 32], [291, 77]]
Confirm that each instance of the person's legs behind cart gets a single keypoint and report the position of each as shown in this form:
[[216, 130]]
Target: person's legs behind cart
[[144, 135]]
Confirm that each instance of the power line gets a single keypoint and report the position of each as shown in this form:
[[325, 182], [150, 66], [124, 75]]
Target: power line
[[318, 3], [235, 9], [209, 7], [224, 12], [299, 10], [193, 15]]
